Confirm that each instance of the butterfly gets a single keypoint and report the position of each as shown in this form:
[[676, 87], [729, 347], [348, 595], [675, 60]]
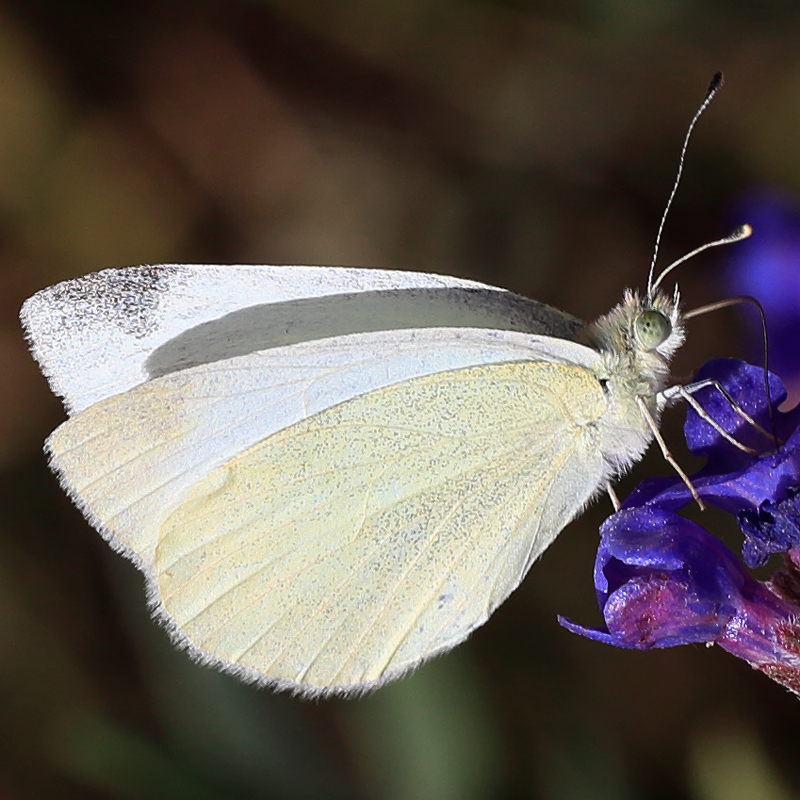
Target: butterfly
[[323, 489], [329, 475]]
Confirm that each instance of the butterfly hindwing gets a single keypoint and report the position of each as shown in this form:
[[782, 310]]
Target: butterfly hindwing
[[345, 549], [129, 460]]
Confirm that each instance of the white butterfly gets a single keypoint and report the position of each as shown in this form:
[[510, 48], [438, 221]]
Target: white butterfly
[[330, 475], [322, 489]]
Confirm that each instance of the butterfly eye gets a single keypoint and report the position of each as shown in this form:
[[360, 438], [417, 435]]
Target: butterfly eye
[[652, 329]]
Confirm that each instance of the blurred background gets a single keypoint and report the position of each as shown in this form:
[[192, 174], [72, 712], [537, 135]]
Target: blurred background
[[526, 143]]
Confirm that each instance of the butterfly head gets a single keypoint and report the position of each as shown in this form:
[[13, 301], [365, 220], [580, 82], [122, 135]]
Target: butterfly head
[[640, 336]]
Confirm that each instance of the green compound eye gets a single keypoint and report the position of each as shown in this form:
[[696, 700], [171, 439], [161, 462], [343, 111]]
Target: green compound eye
[[652, 329]]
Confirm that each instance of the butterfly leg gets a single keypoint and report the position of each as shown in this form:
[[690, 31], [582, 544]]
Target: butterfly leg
[[685, 393], [668, 457]]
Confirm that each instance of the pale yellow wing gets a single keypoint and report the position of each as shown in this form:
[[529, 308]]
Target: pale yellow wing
[[342, 551], [130, 460]]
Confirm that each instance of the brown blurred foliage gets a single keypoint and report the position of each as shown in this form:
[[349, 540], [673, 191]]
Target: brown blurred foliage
[[528, 144]]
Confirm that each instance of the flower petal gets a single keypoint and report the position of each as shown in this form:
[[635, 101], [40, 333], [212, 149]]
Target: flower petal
[[662, 580], [760, 491]]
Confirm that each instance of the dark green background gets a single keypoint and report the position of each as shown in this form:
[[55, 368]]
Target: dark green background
[[528, 144]]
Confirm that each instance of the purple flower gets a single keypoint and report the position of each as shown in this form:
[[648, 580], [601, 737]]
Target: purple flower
[[762, 491], [662, 580]]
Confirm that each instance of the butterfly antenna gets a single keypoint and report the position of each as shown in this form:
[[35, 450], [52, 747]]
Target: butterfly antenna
[[716, 83], [742, 232]]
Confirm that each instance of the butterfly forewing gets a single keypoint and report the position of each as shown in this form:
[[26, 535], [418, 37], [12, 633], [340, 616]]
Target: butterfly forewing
[[102, 334]]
